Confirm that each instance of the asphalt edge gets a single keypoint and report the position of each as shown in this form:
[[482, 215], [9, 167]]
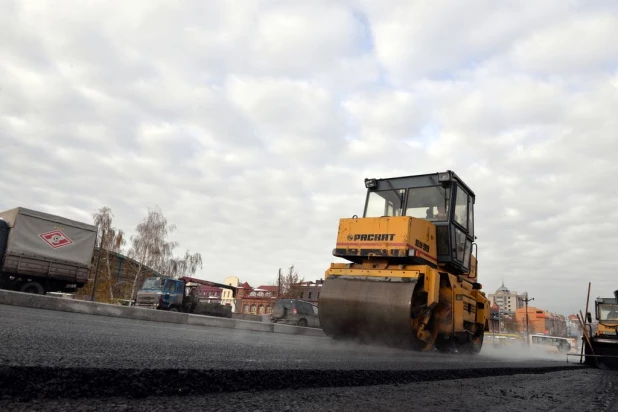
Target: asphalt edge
[[29, 382], [130, 312]]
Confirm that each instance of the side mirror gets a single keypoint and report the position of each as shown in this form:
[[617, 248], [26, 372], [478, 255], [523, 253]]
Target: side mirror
[[589, 317]]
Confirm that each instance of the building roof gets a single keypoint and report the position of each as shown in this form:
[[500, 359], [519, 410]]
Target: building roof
[[503, 289], [206, 288], [269, 288], [245, 286]]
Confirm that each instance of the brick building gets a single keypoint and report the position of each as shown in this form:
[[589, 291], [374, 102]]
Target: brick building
[[541, 322], [256, 301]]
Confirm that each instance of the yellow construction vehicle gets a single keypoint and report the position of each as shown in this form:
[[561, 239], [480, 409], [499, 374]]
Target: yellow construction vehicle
[[412, 280], [604, 342]]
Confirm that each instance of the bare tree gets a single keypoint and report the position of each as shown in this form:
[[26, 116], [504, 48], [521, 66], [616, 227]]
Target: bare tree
[[289, 283], [150, 246]]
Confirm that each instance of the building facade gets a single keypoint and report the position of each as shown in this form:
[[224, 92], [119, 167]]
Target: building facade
[[541, 322], [308, 291], [506, 300], [256, 301], [573, 326], [227, 297]]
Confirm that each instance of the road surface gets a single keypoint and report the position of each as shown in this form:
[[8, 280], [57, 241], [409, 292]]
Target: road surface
[[74, 357]]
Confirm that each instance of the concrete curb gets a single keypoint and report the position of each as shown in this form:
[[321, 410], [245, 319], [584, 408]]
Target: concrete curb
[[117, 311]]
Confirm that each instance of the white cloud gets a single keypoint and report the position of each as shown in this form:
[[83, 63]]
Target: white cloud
[[253, 124], [579, 44]]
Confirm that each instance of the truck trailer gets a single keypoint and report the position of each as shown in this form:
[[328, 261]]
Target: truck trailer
[[41, 253]]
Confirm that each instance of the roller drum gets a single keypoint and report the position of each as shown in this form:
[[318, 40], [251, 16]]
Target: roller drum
[[372, 311]]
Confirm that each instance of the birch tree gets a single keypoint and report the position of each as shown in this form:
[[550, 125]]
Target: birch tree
[[111, 239], [108, 239], [185, 266], [150, 247]]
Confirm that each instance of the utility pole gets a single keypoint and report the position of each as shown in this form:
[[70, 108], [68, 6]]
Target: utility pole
[[526, 300], [279, 284]]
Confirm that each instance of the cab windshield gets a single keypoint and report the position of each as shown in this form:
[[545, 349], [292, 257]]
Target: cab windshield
[[428, 203], [608, 312], [153, 284], [385, 203]]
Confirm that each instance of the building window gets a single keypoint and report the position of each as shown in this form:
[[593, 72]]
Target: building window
[[245, 309], [269, 310], [260, 293], [301, 294], [267, 294], [253, 308], [261, 309], [310, 293]]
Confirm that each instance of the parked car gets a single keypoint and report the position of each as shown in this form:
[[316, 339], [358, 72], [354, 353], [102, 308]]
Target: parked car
[[295, 312]]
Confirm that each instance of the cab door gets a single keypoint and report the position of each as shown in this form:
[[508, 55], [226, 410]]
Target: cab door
[[169, 290]]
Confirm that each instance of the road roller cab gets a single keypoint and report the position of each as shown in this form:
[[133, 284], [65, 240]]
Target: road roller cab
[[605, 341], [412, 277], [427, 219]]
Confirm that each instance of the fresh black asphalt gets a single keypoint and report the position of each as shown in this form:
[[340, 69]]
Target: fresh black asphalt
[[48, 354]]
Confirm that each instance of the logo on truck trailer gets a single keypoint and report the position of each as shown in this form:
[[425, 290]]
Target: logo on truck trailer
[[56, 239]]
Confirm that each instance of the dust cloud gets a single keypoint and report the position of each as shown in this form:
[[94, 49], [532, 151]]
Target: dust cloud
[[524, 352]]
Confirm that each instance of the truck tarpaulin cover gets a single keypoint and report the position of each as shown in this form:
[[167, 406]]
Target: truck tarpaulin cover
[[40, 234]]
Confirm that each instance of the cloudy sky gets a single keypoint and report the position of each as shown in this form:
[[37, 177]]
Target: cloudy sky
[[252, 124]]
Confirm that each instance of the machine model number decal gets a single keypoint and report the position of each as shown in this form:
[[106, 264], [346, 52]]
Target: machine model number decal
[[56, 239], [373, 237], [421, 245]]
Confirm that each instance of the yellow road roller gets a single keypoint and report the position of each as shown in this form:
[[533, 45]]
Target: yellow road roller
[[410, 279]]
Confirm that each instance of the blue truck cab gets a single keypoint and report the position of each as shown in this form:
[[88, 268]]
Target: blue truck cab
[[165, 293]]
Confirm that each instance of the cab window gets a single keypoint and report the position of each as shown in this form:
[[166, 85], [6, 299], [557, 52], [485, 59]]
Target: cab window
[[429, 203], [384, 203], [461, 207], [170, 286]]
